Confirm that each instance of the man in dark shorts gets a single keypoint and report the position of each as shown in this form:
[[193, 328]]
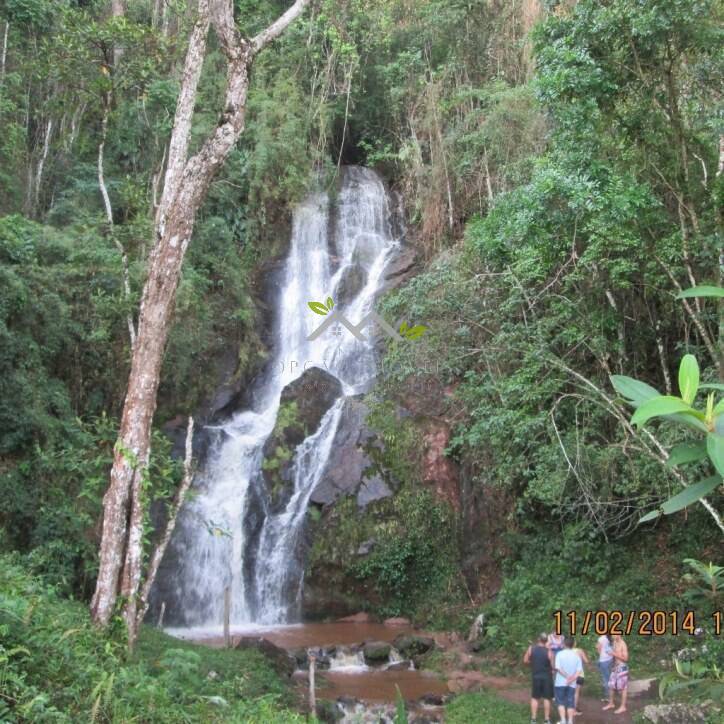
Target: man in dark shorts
[[538, 656]]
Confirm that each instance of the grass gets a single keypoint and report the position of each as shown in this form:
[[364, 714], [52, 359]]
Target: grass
[[55, 666], [484, 706]]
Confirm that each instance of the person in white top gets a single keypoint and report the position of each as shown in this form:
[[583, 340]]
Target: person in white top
[[605, 662], [569, 667]]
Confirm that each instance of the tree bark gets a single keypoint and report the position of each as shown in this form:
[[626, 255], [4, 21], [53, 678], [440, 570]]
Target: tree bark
[[109, 215], [4, 54], [186, 185], [117, 11]]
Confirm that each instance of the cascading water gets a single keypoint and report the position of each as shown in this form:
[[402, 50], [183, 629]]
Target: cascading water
[[228, 535]]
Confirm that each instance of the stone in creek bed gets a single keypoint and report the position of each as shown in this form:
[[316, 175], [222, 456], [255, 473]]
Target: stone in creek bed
[[282, 662], [411, 645], [376, 652], [396, 621], [432, 700], [399, 666], [328, 711]]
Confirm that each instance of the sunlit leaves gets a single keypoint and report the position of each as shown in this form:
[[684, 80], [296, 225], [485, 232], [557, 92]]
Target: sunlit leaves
[[688, 378], [686, 497]]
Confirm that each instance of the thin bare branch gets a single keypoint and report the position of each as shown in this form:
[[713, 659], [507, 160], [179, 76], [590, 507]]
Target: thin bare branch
[[266, 36], [158, 554]]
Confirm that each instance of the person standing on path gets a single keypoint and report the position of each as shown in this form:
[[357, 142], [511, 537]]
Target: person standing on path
[[619, 674], [605, 662], [581, 679], [539, 658], [555, 644], [569, 667]]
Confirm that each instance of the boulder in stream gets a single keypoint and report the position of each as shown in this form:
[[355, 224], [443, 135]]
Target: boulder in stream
[[412, 645], [376, 652], [282, 662]]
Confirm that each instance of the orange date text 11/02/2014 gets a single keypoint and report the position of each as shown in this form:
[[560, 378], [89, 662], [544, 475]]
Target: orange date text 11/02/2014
[[643, 623]]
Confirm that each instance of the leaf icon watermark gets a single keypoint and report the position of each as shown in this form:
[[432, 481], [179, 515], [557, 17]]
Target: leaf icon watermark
[[324, 309], [412, 332], [320, 308]]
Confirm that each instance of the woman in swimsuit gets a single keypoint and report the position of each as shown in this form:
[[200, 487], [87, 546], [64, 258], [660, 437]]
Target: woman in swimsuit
[[619, 674]]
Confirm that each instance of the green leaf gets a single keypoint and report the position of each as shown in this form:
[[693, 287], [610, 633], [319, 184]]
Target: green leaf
[[416, 331], [403, 328], [715, 448], [330, 303], [688, 378], [691, 419], [701, 291], [658, 406], [712, 386], [317, 308], [633, 390], [685, 498], [686, 453]]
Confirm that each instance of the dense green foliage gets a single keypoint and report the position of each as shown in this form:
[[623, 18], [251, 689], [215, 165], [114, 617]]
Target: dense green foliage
[[561, 169], [56, 667]]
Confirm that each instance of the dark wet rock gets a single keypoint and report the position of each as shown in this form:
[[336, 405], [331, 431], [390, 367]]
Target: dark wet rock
[[412, 645], [322, 657], [399, 666], [432, 700], [301, 657], [302, 406], [328, 711], [282, 662], [349, 468], [351, 283], [371, 489], [376, 652], [404, 266]]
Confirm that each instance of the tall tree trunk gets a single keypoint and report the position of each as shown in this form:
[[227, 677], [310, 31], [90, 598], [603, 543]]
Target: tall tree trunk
[[4, 53], [109, 215], [186, 184], [117, 11]]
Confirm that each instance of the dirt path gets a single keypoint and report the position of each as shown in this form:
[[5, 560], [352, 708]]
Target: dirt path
[[518, 692], [512, 690]]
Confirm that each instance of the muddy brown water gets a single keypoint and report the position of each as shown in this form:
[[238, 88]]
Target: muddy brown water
[[376, 686], [304, 635], [370, 685]]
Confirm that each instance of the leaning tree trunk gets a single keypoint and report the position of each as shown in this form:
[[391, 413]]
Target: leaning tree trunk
[[185, 186]]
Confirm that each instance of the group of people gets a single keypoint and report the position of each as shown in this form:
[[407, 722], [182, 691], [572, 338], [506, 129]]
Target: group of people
[[557, 669]]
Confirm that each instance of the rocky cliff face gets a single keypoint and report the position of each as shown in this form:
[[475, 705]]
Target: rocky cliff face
[[302, 407]]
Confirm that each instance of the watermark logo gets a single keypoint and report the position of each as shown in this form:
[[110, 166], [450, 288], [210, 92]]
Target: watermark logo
[[326, 309]]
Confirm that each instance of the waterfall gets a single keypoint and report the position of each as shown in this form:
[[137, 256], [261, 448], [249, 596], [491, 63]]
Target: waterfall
[[228, 535]]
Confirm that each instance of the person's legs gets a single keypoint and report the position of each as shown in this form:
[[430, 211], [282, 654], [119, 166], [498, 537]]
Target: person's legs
[[561, 702], [605, 668], [533, 709], [611, 689], [577, 697], [562, 714], [624, 697], [547, 709]]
